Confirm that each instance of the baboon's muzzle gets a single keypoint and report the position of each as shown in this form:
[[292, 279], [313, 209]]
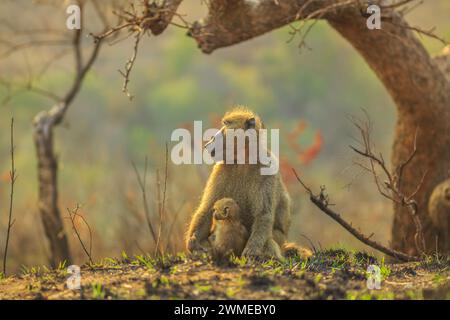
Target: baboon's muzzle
[[209, 146]]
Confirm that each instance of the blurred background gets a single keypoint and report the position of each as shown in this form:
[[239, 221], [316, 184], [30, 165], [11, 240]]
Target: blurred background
[[307, 93]]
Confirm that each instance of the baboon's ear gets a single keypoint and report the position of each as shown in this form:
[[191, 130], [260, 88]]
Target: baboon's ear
[[250, 123]]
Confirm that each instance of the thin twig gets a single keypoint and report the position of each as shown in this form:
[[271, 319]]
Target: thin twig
[[72, 215], [142, 186], [13, 177], [129, 66], [162, 209], [391, 188]]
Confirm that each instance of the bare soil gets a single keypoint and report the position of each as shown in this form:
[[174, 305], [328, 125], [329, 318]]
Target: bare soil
[[330, 274]]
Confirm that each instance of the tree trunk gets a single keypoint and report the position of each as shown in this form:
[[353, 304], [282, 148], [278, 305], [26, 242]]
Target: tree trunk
[[422, 95], [417, 83], [48, 190], [44, 123]]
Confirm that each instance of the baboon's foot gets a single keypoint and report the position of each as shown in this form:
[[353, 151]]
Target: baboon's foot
[[291, 249]]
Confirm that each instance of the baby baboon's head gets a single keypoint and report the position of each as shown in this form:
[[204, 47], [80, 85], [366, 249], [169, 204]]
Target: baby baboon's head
[[225, 209], [238, 118]]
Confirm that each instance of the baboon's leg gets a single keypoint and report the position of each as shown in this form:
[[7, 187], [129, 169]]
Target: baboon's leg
[[282, 218], [263, 213], [279, 237]]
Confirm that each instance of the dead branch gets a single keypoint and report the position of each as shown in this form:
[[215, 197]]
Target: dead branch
[[391, 187], [162, 209], [153, 18], [129, 66], [142, 186], [321, 201], [73, 214], [13, 48], [12, 177]]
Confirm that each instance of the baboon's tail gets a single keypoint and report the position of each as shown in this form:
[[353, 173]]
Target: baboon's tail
[[291, 249]]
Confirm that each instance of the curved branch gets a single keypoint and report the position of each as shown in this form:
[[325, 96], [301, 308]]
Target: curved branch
[[231, 22]]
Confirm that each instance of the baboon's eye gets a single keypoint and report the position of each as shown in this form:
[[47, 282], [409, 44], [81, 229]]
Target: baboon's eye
[[250, 123], [226, 122]]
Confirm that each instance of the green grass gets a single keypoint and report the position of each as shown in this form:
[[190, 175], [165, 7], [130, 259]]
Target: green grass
[[203, 288], [238, 261], [384, 270], [146, 261], [98, 291]]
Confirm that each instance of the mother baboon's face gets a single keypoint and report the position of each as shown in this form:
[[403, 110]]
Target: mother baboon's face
[[240, 126]]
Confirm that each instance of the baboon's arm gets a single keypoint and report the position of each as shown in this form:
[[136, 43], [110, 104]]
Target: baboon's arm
[[201, 222], [200, 226]]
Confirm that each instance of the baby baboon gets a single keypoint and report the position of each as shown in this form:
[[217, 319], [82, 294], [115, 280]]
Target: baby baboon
[[229, 235], [439, 211], [263, 199]]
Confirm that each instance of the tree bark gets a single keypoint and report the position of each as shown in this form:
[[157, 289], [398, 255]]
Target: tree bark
[[421, 93], [417, 83], [48, 190], [44, 124]]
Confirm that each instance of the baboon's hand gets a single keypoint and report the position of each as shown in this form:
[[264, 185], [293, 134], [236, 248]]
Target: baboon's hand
[[194, 245]]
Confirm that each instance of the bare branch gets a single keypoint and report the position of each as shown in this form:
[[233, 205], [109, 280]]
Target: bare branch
[[154, 18], [321, 202], [142, 186], [32, 43], [129, 66], [13, 177], [402, 166], [162, 209], [391, 187], [73, 214]]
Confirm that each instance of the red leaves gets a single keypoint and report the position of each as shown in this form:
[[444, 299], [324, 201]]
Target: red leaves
[[303, 154]]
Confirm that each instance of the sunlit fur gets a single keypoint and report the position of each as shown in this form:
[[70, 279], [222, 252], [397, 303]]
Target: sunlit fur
[[229, 235], [263, 199]]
